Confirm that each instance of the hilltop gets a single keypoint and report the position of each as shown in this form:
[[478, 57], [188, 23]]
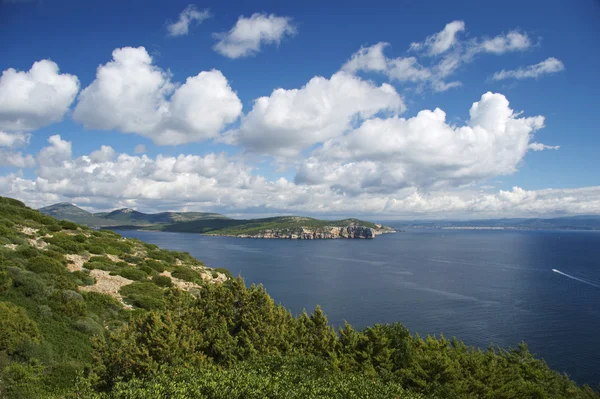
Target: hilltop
[[123, 217], [290, 227], [90, 314]]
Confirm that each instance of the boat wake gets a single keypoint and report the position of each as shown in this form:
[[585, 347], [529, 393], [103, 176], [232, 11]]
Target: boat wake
[[576, 278]]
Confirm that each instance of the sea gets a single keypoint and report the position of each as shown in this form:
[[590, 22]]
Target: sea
[[484, 287]]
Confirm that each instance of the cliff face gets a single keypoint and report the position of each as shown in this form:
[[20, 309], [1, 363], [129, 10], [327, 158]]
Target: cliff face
[[322, 233]]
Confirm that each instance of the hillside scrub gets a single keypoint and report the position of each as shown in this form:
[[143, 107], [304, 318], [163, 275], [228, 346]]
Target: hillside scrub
[[59, 338]]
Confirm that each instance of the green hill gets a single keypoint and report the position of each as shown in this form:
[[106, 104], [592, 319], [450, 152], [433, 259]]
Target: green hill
[[123, 217], [90, 314], [280, 226]]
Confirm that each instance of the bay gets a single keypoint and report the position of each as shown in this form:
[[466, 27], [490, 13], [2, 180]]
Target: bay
[[481, 286]]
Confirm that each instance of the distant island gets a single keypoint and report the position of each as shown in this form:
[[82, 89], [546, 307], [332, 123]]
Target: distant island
[[280, 227]]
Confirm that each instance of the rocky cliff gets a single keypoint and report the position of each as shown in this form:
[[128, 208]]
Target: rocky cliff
[[322, 233]]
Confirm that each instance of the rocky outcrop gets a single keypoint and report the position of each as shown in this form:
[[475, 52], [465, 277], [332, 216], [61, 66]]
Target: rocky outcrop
[[322, 233]]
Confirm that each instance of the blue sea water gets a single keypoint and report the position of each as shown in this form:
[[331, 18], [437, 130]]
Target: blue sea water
[[481, 286]]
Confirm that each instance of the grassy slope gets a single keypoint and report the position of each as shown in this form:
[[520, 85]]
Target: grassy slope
[[65, 318]]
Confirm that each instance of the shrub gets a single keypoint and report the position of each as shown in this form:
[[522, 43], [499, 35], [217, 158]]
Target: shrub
[[187, 274], [155, 264], [149, 271], [6, 281], [145, 295], [132, 259], [162, 281], [133, 274], [89, 326], [16, 327], [96, 249], [67, 225], [68, 302], [28, 283], [161, 254], [44, 264], [84, 277]]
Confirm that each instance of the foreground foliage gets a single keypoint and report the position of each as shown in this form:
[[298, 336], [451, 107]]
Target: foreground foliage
[[220, 341]]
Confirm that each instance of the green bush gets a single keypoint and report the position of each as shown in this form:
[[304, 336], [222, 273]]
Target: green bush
[[89, 326], [68, 302], [67, 225], [145, 295], [6, 281], [16, 327], [162, 281], [132, 273], [155, 264], [44, 264], [187, 274], [132, 259], [161, 254]]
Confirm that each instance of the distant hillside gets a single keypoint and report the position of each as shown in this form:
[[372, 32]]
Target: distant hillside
[[295, 227], [72, 213], [123, 217]]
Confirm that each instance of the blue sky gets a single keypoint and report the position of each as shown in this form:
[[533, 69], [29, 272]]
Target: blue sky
[[326, 162]]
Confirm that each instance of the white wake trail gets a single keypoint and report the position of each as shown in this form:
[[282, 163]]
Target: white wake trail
[[576, 278]]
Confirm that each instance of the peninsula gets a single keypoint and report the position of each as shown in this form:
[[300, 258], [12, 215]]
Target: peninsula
[[282, 227]]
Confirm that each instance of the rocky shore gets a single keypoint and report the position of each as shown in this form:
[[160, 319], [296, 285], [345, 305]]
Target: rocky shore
[[320, 233]]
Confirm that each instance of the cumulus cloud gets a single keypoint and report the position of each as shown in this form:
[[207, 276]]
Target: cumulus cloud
[[9, 157], [289, 121], [139, 149], [188, 16], [105, 179], [504, 43], [217, 183], [385, 155], [441, 42], [249, 34], [134, 96], [372, 59], [35, 98], [444, 52], [546, 67], [14, 140]]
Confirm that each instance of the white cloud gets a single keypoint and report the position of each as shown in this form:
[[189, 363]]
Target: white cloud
[[385, 155], [509, 42], [139, 149], [9, 157], [134, 96], [449, 54], [542, 147], [188, 16], [214, 182], [291, 120], [372, 59], [14, 140], [441, 42], [249, 34], [16, 159], [36, 98], [546, 67]]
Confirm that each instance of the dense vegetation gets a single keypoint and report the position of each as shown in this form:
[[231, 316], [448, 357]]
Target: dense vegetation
[[208, 338]]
